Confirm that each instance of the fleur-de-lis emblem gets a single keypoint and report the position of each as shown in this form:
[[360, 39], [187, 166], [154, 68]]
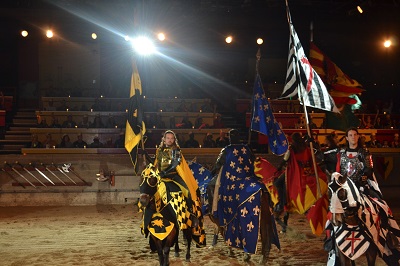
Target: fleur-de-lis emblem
[[251, 198], [247, 168], [250, 227], [232, 164], [244, 212], [201, 170], [237, 242], [256, 210], [244, 151], [240, 159], [235, 151]]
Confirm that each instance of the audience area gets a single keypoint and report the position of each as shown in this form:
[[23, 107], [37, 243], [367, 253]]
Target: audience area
[[99, 123]]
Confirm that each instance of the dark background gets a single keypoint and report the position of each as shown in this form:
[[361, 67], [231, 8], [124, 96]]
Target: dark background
[[196, 60]]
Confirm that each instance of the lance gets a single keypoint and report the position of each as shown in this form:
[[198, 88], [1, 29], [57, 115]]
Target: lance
[[26, 170], [51, 172], [12, 177], [42, 174], [75, 173], [59, 169], [19, 174]]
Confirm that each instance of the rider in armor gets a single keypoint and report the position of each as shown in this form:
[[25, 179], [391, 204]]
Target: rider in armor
[[355, 162]]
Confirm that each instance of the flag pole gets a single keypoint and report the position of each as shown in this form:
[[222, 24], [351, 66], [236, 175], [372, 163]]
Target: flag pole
[[305, 112], [258, 57]]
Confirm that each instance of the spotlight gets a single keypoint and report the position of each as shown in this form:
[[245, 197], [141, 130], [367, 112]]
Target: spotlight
[[24, 33], [143, 46], [260, 41], [94, 36], [360, 10], [229, 39], [49, 34], [161, 36]]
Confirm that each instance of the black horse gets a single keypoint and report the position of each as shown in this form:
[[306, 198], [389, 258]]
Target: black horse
[[160, 218]]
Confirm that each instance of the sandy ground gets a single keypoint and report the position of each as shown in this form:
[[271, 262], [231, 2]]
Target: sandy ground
[[110, 235]]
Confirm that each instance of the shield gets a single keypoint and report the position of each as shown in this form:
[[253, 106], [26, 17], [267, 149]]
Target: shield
[[351, 240]]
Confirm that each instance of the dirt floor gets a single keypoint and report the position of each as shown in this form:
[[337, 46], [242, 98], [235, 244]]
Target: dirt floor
[[110, 235]]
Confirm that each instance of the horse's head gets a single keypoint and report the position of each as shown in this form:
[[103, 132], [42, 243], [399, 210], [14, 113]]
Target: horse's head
[[343, 196], [148, 184]]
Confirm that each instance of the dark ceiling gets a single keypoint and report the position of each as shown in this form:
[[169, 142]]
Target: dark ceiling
[[196, 28]]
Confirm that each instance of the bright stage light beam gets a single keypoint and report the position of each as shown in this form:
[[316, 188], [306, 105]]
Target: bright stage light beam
[[143, 46]]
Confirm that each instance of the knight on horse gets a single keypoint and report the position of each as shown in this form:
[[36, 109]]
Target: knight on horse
[[174, 193], [359, 216], [238, 197]]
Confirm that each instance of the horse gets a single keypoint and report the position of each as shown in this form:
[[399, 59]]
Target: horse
[[207, 186], [358, 225], [160, 218]]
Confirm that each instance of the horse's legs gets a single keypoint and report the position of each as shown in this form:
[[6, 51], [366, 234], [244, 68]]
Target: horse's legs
[[371, 254], [158, 243], [177, 245], [188, 235], [266, 230]]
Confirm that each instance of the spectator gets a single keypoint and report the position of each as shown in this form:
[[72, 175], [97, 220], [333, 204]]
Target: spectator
[[218, 122], [85, 122], [35, 143], [300, 123], [395, 143], [378, 123], [367, 123], [49, 142], [200, 124], [222, 140], [66, 142], [373, 143], [185, 123], [385, 144], [97, 123], [54, 122], [183, 107], [51, 106], [63, 106], [191, 142], [69, 123], [109, 143], [209, 142], [96, 143], [120, 142], [42, 123], [110, 123], [80, 143]]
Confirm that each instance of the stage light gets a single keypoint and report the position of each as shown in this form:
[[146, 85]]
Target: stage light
[[94, 36], [127, 38], [260, 41], [360, 10], [229, 39], [143, 46], [49, 34], [24, 33], [161, 36], [387, 43]]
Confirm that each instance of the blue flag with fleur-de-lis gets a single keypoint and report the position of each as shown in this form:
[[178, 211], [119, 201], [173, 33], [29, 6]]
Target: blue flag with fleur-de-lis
[[263, 120], [203, 176], [239, 200]]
